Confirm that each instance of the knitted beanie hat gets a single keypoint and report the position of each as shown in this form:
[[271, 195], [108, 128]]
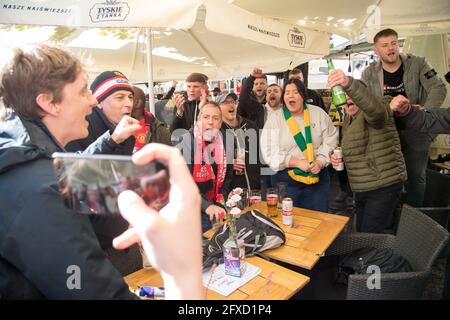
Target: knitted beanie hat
[[109, 82]]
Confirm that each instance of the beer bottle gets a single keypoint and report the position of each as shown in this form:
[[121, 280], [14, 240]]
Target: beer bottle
[[337, 92]]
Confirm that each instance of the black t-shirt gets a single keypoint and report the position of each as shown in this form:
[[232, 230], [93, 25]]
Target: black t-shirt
[[393, 83]]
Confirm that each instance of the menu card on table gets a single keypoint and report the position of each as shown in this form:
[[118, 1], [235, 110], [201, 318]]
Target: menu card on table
[[224, 284]]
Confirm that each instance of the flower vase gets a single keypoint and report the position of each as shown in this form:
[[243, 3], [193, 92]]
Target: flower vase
[[234, 256]]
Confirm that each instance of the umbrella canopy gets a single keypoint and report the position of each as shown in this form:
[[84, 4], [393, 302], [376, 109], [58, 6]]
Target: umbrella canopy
[[348, 17], [219, 39]]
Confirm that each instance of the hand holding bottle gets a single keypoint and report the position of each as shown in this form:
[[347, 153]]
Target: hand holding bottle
[[337, 77], [337, 92]]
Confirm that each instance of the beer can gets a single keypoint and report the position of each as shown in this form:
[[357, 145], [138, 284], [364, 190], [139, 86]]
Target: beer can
[[339, 154], [287, 207]]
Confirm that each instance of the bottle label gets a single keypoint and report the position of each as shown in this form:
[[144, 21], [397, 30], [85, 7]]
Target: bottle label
[[338, 96]]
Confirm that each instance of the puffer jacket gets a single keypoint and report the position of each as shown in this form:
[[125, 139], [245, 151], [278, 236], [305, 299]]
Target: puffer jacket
[[370, 142]]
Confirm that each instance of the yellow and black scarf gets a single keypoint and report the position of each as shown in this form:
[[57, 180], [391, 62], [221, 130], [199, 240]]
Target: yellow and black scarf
[[305, 145]]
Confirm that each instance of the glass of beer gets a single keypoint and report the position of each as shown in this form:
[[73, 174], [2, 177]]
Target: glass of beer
[[272, 202], [254, 197]]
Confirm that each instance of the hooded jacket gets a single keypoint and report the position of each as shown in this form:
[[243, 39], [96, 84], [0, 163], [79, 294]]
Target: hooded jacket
[[46, 250]]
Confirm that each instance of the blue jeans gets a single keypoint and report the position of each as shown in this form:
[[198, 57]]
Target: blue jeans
[[307, 196]]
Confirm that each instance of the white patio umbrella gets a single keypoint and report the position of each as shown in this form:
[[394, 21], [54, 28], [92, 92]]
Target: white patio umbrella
[[220, 40], [350, 17]]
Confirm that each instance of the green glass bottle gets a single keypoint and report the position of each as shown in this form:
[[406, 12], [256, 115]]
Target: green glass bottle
[[337, 92]]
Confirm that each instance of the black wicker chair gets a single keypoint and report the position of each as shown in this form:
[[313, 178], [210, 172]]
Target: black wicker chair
[[419, 239]]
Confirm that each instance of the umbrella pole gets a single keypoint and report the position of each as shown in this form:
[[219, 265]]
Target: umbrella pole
[[151, 98]]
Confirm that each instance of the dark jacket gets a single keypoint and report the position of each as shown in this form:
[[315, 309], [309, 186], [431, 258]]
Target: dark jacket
[[40, 239], [159, 133], [187, 148], [432, 121], [315, 99], [169, 94], [370, 142], [186, 122], [247, 130], [98, 125], [249, 107]]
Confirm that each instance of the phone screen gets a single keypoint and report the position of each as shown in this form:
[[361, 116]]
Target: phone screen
[[91, 184]]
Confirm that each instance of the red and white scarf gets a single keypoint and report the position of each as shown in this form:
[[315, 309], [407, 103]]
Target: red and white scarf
[[203, 170]]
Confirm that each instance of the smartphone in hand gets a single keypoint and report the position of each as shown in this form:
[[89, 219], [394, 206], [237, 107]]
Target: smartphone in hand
[[91, 184]]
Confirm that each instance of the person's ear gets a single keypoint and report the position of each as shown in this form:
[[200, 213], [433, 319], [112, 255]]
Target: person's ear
[[375, 50], [45, 102]]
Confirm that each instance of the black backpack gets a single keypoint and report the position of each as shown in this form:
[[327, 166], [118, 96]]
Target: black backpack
[[258, 232], [359, 260]]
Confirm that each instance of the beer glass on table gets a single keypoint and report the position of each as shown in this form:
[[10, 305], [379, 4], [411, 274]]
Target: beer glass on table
[[272, 202]]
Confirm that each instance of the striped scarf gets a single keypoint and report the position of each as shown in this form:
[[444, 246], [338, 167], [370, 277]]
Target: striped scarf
[[304, 144]]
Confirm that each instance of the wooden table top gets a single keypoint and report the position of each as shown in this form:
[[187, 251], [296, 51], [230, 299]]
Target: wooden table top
[[442, 165], [307, 240], [273, 283]]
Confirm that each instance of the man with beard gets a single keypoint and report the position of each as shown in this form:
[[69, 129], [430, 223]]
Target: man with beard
[[273, 100], [253, 97]]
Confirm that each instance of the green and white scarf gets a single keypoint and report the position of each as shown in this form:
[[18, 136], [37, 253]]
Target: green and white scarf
[[304, 143]]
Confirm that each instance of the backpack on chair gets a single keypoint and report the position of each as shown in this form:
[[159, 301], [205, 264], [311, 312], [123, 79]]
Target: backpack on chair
[[258, 232], [358, 261]]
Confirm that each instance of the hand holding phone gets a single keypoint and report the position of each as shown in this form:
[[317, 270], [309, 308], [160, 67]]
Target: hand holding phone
[[91, 184], [171, 237]]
